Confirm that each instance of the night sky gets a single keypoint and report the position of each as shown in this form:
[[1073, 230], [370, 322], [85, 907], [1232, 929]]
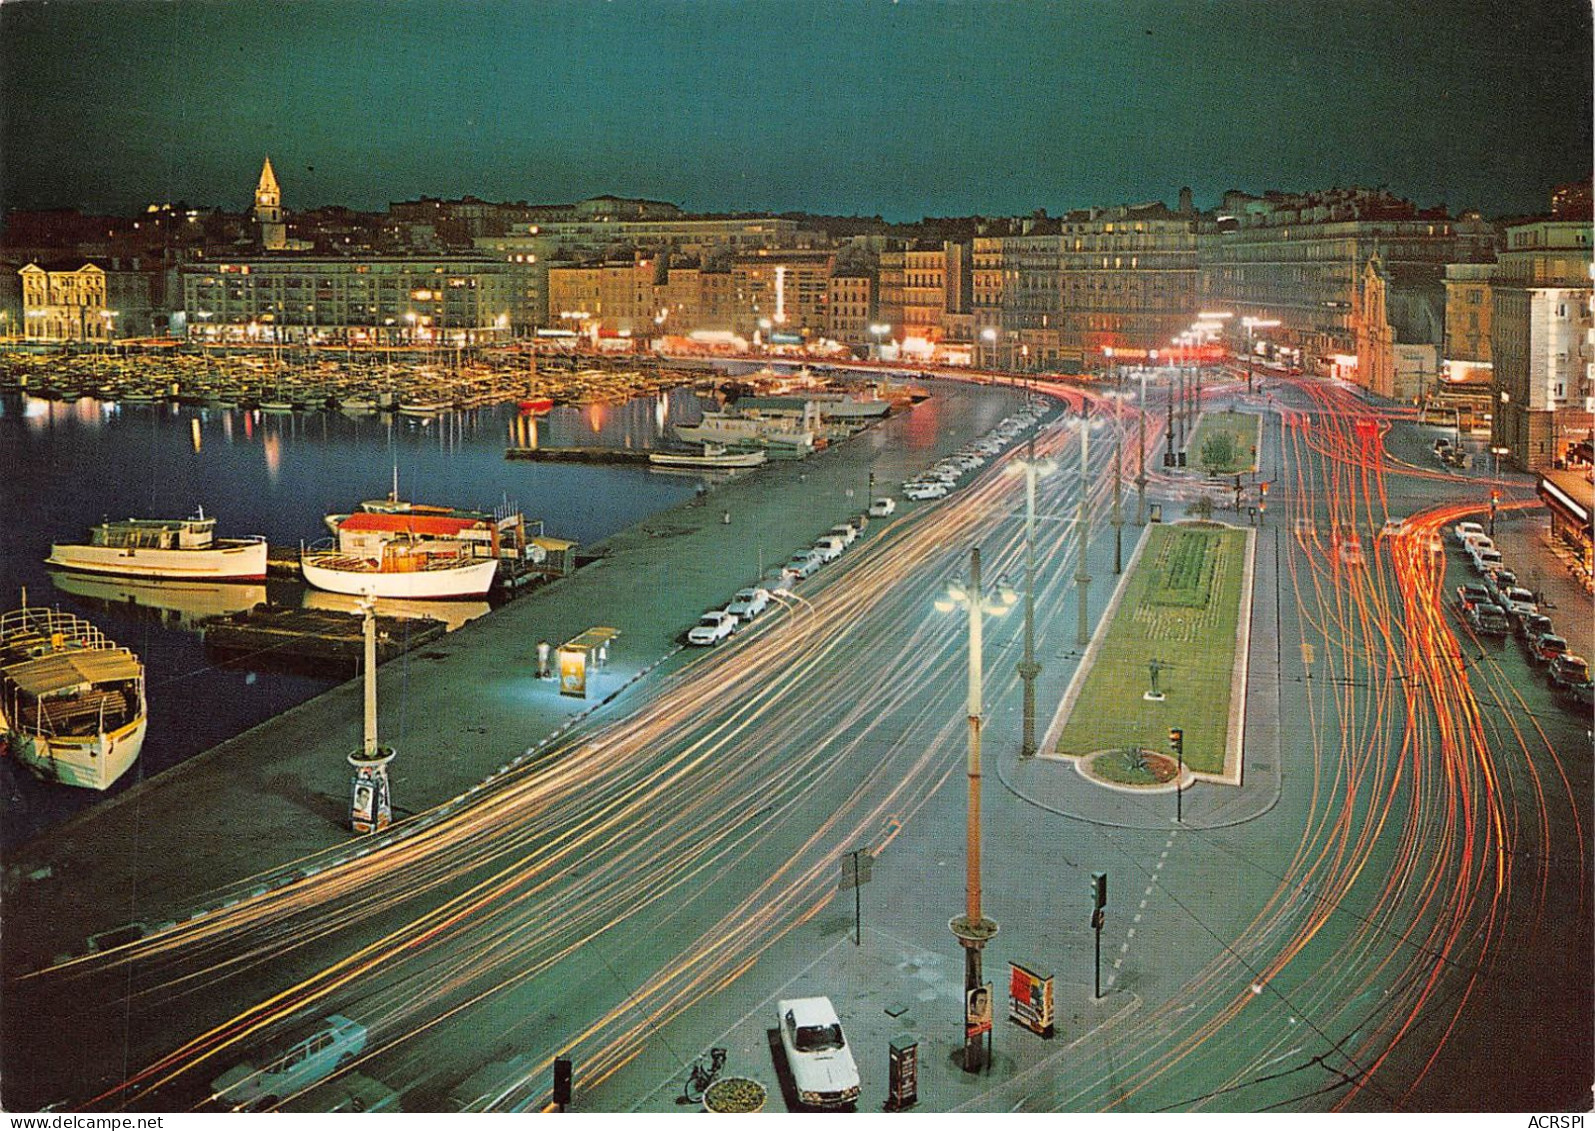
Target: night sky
[[849, 106]]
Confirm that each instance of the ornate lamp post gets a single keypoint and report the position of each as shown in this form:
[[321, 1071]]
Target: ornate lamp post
[[1030, 467], [972, 929]]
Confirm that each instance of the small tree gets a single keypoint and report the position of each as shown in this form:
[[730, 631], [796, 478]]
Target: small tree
[[1218, 452]]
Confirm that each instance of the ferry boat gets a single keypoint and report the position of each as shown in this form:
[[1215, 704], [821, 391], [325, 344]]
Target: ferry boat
[[736, 428], [71, 701], [160, 547], [401, 567]]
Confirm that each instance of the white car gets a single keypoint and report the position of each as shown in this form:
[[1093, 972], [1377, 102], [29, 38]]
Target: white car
[[1462, 529], [816, 1051], [923, 491], [882, 507], [846, 531], [749, 603], [712, 628], [829, 548], [247, 1088], [801, 565]]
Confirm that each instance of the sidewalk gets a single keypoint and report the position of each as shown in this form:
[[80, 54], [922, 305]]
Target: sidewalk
[[250, 812], [1524, 538]]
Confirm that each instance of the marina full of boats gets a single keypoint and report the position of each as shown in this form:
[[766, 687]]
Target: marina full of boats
[[411, 384]]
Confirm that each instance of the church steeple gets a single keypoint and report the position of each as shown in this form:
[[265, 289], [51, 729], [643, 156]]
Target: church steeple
[[268, 210]]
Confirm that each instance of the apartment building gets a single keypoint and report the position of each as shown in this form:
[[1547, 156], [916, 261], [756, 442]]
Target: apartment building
[[453, 299], [1540, 329]]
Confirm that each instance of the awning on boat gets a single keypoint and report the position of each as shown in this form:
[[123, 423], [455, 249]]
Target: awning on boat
[[402, 522], [552, 545], [59, 671]]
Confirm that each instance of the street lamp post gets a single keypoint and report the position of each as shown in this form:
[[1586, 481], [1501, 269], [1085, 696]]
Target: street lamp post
[[989, 336], [972, 929], [879, 330], [1140, 478], [1028, 667], [1118, 482], [1082, 578]]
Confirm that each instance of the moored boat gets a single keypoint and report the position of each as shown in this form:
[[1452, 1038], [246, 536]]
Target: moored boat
[[159, 547], [72, 703], [712, 456], [402, 568]]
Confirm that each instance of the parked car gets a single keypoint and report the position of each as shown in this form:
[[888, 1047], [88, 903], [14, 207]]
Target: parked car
[[1568, 672], [1517, 601], [1545, 647], [1488, 561], [1499, 580], [829, 547], [1462, 529], [816, 1049], [335, 1043], [802, 564], [1533, 626], [1473, 543], [1392, 527], [922, 491], [712, 628], [1489, 620], [749, 603], [1440, 445], [846, 531], [882, 507], [1471, 595]]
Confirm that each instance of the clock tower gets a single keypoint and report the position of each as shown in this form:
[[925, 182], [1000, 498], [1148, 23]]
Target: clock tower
[[268, 211]]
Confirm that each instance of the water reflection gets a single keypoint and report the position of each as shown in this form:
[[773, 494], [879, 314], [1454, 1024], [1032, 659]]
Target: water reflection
[[178, 603]]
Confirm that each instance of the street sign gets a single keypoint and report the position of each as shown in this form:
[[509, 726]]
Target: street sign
[[977, 1010], [857, 868], [1030, 999], [902, 1090], [1099, 890]]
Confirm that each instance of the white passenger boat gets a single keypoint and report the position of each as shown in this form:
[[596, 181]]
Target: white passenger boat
[[166, 548], [733, 428], [71, 701], [713, 456], [399, 567]]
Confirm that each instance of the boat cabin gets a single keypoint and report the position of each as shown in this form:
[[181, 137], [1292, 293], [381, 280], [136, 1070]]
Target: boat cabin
[[197, 533]]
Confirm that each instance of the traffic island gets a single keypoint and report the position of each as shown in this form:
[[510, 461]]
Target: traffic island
[[1225, 443], [1171, 651]]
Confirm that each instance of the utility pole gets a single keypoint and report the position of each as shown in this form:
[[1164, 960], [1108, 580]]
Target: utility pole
[[1118, 483], [1168, 456], [972, 929], [1082, 578], [1140, 479], [1028, 668]]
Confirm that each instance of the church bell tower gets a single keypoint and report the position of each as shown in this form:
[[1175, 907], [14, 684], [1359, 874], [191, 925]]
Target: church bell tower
[[268, 211]]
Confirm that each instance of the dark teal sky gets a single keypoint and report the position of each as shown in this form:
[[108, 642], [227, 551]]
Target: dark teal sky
[[902, 109]]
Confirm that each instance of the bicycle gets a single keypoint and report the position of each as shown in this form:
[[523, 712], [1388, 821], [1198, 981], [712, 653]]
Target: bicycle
[[701, 1076]]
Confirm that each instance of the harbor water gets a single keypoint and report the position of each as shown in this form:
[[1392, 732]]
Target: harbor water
[[66, 465]]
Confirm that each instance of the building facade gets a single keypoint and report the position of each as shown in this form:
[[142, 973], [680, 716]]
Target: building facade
[[1541, 342], [84, 302], [1300, 259], [455, 299]]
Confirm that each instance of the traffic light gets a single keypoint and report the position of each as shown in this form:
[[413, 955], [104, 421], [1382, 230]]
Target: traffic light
[[1099, 890], [562, 1080], [1263, 487], [1176, 740]]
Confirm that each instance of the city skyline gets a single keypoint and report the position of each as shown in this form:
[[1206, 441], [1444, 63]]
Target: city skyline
[[700, 104]]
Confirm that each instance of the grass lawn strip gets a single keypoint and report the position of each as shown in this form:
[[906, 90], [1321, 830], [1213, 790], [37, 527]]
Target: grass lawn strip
[[1181, 602], [1246, 429]]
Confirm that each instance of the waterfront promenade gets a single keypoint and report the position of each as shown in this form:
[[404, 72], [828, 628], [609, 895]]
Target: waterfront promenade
[[241, 814]]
